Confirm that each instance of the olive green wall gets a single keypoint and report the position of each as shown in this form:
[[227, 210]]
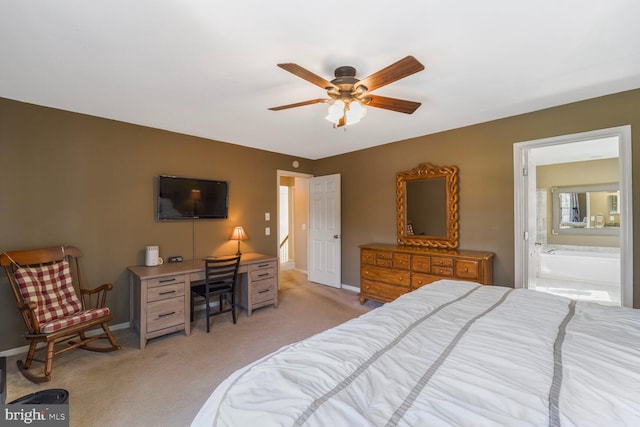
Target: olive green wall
[[86, 181], [81, 180], [484, 154]]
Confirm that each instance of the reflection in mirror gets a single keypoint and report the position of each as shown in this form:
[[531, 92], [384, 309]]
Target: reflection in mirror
[[427, 206], [586, 209]]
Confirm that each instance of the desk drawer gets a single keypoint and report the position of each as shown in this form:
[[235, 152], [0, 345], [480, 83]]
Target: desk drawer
[[165, 313], [165, 280], [164, 292], [263, 290], [197, 275], [262, 273]]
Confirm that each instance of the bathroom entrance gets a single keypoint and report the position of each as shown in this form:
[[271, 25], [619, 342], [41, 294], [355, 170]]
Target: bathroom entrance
[[573, 216]]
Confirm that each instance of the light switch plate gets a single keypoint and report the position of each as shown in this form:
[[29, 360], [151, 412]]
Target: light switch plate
[[267, 216], [267, 231]]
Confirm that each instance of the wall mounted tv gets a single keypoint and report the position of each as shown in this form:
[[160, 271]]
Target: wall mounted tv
[[189, 198]]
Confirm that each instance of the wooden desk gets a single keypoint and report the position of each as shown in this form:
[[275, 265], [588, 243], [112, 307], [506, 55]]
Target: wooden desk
[[160, 296]]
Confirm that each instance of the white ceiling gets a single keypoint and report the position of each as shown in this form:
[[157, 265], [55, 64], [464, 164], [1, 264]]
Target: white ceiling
[[208, 68]]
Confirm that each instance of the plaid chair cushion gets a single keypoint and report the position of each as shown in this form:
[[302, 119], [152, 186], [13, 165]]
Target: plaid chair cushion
[[51, 288], [80, 317]]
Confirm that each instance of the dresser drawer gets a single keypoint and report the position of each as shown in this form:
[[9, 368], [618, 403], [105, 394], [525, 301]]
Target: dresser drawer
[[442, 271], [368, 257], [381, 291], [164, 292], [385, 275], [467, 269], [263, 290], [384, 259], [165, 313], [165, 280], [420, 263], [401, 261], [418, 280], [441, 262]]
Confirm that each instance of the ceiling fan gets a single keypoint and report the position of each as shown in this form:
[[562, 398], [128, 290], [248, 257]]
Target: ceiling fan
[[348, 95]]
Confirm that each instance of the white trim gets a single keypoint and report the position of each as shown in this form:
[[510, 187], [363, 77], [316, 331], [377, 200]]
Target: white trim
[[350, 288], [93, 332], [520, 149]]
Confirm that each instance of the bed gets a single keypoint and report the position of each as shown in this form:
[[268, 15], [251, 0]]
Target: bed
[[451, 353]]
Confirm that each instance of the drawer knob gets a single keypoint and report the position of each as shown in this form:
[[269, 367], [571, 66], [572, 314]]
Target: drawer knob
[[466, 269], [167, 292]]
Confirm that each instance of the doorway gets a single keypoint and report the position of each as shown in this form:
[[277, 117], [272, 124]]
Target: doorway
[[292, 220], [573, 218]]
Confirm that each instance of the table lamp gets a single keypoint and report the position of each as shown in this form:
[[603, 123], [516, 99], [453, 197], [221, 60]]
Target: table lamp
[[238, 234]]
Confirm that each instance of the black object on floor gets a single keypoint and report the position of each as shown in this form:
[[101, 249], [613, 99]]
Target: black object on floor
[[52, 396]]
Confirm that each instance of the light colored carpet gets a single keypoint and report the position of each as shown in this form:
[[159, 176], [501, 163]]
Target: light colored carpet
[[166, 383]]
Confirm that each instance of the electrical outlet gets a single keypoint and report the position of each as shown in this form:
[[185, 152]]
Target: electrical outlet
[[267, 231]]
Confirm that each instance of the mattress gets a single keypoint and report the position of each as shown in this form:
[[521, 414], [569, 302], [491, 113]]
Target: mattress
[[451, 353]]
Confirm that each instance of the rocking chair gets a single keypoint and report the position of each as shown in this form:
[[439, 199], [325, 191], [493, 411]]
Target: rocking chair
[[42, 281]]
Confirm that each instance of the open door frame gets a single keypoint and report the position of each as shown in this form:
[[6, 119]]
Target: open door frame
[[521, 197]]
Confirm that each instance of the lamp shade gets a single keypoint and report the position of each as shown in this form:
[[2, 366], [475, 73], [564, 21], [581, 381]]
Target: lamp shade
[[238, 234]]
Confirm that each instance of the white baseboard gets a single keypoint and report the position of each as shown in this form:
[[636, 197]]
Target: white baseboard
[[350, 288], [24, 349]]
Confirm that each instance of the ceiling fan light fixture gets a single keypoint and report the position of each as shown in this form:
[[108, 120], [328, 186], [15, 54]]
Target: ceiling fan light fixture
[[348, 113], [335, 111], [354, 113]]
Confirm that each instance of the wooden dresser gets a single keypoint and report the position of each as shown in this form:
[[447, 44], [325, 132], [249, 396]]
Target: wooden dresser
[[388, 271]]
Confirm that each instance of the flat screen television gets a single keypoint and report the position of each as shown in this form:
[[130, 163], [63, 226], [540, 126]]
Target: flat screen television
[[189, 198]]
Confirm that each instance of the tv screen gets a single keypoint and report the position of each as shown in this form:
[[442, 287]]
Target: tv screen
[[188, 198]]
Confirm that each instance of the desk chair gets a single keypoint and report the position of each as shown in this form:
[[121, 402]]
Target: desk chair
[[221, 275]]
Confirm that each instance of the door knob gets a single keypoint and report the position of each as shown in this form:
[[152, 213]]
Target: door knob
[[336, 236]]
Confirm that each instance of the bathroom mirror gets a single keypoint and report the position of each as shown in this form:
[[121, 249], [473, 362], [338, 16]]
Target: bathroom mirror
[[586, 209], [427, 206]]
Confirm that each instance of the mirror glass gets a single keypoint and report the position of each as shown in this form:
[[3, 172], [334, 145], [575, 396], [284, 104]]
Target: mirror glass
[[427, 206], [586, 209]]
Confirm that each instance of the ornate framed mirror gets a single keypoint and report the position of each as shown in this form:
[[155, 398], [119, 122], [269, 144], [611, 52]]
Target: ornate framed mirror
[[427, 206]]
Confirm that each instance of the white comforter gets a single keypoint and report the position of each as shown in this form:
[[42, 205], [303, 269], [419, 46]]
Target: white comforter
[[451, 353]]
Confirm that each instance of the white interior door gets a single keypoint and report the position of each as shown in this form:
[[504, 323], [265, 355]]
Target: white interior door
[[324, 231]]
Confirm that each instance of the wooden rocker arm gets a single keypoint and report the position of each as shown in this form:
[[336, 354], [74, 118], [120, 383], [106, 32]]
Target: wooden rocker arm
[[28, 311], [100, 292]]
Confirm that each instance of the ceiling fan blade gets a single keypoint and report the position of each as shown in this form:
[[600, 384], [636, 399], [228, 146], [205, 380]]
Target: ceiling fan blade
[[307, 75], [299, 104], [399, 105], [396, 71]]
